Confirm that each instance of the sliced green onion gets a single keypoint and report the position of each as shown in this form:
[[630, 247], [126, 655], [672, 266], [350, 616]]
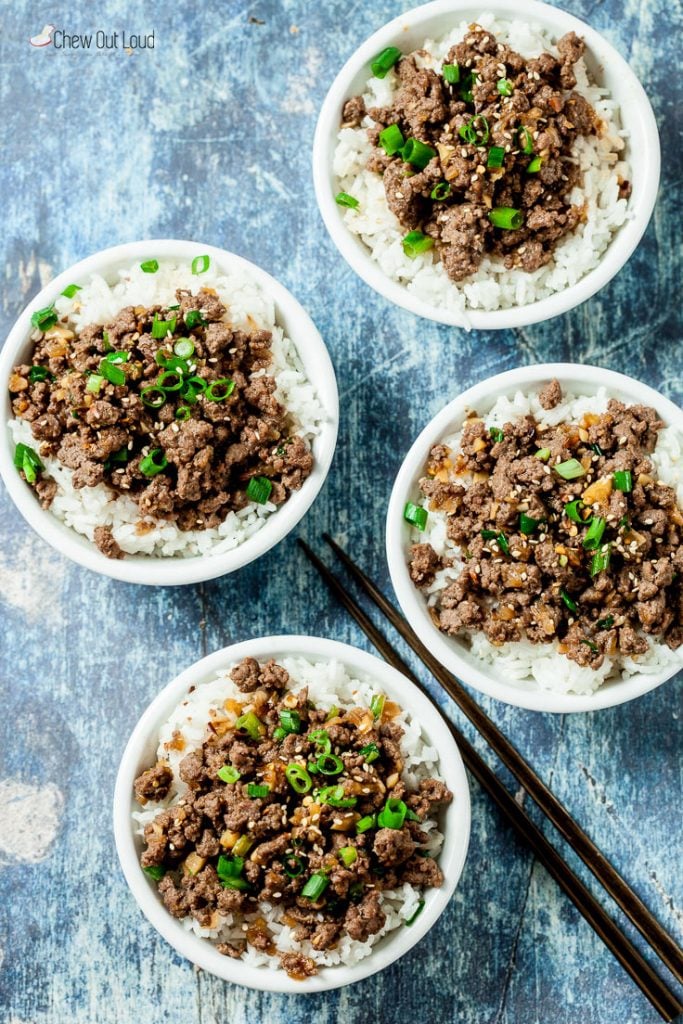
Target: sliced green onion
[[279, 733], [113, 373], [412, 816], [573, 511], [38, 373], [250, 724], [415, 515], [219, 390], [524, 140], [466, 84], [153, 397], [370, 753], [570, 470], [155, 871], [105, 342], [417, 153], [496, 157], [393, 814], [365, 823], [200, 264], [416, 242], [489, 534], [183, 412], [293, 865], [570, 602], [193, 318], [228, 774], [623, 480], [534, 166], [169, 380], [329, 764], [606, 623], [258, 489], [94, 383], [44, 319], [600, 560], [504, 87], [160, 328], [242, 846], [391, 139], [334, 796], [318, 882], [563, 560], [298, 778], [589, 643], [503, 543], [413, 917], [543, 454], [28, 460], [384, 61], [149, 266], [527, 524], [194, 386], [229, 870], [71, 290], [153, 463], [506, 217], [344, 199], [496, 434], [349, 854], [451, 73], [441, 191], [596, 449], [290, 721], [177, 306], [255, 791], [377, 705], [117, 357], [475, 131], [321, 739], [624, 523], [184, 348], [596, 528], [332, 713]]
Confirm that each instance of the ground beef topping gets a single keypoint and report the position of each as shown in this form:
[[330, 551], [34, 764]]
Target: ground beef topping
[[478, 158], [306, 809], [567, 535], [169, 405]]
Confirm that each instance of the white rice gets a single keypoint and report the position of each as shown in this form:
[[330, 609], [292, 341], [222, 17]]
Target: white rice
[[541, 665], [329, 684], [248, 308], [492, 286]]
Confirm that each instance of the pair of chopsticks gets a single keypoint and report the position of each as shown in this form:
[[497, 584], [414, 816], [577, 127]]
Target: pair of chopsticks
[[653, 987]]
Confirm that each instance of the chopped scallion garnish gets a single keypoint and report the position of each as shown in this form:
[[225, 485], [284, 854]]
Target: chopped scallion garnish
[[569, 601], [384, 61], [504, 87], [415, 515], [113, 373], [451, 73], [623, 480], [321, 739], [155, 871], [570, 470], [527, 524], [416, 913], [416, 242], [593, 537], [298, 778], [256, 791], [153, 463], [496, 157], [228, 774], [377, 705], [606, 623], [600, 560], [149, 266], [506, 217], [543, 454], [251, 724], [38, 373], [200, 264], [28, 461], [344, 199], [365, 823], [349, 855], [393, 814], [290, 721], [71, 290], [496, 434], [417, 154], [573, 511], [153, 397], [258, 489], [329, 764], [318, 882], [193, 318], [219, 390], [160, 328], [44, 319], [391, 139], [524, 140], [441, 191], [370, 753]]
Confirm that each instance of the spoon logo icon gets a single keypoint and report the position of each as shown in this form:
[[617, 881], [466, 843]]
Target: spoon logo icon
[[43, 38]]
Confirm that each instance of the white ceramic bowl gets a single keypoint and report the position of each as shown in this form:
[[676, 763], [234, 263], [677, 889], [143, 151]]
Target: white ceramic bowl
[[452, 652], [141, 752], [608, 68], [157, 570]]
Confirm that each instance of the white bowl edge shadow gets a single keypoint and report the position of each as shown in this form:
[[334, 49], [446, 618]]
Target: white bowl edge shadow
[[452, 653], [608, 68], [157, 570], [140, 751]]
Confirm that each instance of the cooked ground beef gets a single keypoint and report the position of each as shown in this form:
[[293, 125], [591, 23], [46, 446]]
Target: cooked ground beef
[[501, 136], [227, 845], [592, 563], [107, 399]]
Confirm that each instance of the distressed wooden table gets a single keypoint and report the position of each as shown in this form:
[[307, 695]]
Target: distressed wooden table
[[208, 136]]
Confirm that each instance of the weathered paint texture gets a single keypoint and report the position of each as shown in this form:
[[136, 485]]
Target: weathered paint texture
[[208, 136]]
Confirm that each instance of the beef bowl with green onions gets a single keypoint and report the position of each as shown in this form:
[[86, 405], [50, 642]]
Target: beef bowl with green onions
[[161, 411], [481, 164], [285, 820], [541, 540]]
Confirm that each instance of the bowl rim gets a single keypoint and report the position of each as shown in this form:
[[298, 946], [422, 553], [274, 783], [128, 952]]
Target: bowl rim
[[201, 952], [623, 242], [397, 534], [157, 570]]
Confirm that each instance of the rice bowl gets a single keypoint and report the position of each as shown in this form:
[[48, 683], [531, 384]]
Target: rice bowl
[[488, 299], [522, 672], [328, 668], [107, 282]]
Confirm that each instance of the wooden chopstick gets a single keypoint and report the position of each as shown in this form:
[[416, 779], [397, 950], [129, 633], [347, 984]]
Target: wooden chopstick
[[663, 944], [652, 986]]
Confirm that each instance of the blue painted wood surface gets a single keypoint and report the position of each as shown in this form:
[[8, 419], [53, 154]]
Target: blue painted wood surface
[[208, 136]]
